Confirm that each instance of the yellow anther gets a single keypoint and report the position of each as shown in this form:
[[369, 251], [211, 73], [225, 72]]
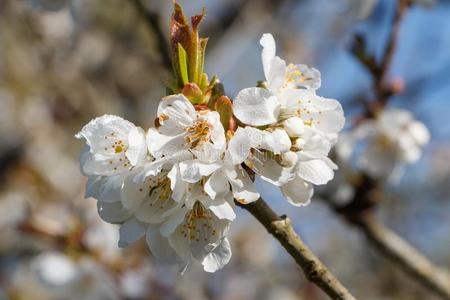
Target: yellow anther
[[198, 133]]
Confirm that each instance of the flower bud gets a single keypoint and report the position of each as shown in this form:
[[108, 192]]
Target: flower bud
[[288, 159], [299, 143], [193, 93], [294, 126]]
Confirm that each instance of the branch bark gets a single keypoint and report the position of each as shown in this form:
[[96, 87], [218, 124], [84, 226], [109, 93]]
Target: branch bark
[[404, 255], [360, 213], [389, 51], [314, 270]]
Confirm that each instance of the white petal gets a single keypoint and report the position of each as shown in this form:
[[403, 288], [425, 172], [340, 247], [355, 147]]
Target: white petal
[[160, 247], [218, 258], [217, 132], [131, 231], [223, 210], [316, 171], [192, 171], [268, 53], [206, 240], [110, 189], [156, 206], [294, 126], [302, 76], [93, 186], [327, 115], [378, 161], [288, 159], [345, 146], [175, 112], [394, 118], [256, 107], [276, 141], [111, 127], [419, 133], [298, 192], [132, 193], [178, 186], [137, 146], [169, 226], [180, 245], [217, 185], [247, 138], [271, 171], [155, 167], [160, 145], [277, 74], [242, 186], [315, 145], [112, 212], [241, 143], [99, 164], [412, 154]]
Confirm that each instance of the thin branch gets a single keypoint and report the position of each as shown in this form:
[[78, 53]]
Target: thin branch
[[153, 21], [403, 254], [360, 212], [380, 71], [389, 51], [314, 270]]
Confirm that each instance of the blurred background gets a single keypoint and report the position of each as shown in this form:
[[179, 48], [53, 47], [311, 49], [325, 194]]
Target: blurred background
[[63, 63]]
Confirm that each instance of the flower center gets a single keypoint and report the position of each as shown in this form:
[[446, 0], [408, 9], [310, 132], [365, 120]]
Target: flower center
[[198, 133], [162, 188], [119, 148], [198, 224], [294, 75]]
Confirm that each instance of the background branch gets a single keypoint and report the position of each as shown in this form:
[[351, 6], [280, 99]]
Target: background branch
[[382, 88], [360, 213], [404, 255], [281, 228]]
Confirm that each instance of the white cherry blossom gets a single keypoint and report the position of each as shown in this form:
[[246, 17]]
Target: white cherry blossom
[[114, 146], [393, 139], [176, 184], [179, 127], [197, 231], [290, 92], [301, 126]]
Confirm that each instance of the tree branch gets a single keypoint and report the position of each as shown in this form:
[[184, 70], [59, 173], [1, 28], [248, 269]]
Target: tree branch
[[403, 254], [360, 212], [380, 71], [389, 51], [314, 270]]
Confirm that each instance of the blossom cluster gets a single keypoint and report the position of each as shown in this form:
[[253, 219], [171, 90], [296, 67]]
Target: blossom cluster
[[385, 144], [176, 183]]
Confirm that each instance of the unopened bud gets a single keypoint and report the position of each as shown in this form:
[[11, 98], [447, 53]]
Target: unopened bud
[[294, 126], [288, 159], [299, 143], [397, 85], [193, 93]]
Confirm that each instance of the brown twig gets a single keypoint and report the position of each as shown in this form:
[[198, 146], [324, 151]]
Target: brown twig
[[383, 90], [360, 213], [314, 270], [153, 22], [383, 94], [403, 254]]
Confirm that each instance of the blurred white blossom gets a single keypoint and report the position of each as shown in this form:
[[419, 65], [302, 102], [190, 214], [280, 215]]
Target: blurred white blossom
[[393, 139], [53, 276]]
